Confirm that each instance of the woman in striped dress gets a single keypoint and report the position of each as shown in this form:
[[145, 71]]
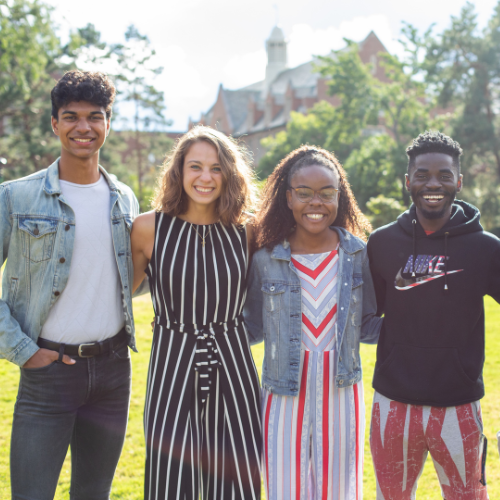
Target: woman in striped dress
[[311, 299], [202, 412]]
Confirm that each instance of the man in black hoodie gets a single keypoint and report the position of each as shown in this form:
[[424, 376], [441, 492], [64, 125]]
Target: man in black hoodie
[[431, 269]]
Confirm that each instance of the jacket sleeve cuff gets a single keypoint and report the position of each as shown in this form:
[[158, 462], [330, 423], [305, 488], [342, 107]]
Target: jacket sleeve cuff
[[25, 353]]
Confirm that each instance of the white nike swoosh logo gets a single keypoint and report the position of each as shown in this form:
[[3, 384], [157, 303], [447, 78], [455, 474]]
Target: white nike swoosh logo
[[426, 280]]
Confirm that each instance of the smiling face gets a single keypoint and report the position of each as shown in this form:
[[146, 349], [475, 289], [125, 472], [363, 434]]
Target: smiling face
[[202, 174], [82, 128], [433, 182], [314, 216]]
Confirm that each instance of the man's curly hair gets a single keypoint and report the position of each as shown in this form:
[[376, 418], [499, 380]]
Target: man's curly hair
[[92, 86], [434, 142], [275, 220]]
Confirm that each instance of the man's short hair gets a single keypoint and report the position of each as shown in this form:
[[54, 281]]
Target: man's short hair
[[434, 142], [91, 86]]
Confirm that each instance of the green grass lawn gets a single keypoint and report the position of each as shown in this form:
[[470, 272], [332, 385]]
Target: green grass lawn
[[128, 480]]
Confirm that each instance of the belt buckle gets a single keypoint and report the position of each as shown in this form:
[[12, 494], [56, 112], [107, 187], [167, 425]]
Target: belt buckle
[[80, 353]]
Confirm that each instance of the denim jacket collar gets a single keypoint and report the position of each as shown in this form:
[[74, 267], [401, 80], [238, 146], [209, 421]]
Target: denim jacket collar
[[52, 185], [347, 243]]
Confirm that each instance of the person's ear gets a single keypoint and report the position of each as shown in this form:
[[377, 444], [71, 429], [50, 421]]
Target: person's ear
[[289, 198], [460, 183], [407, 182], [55, 125]]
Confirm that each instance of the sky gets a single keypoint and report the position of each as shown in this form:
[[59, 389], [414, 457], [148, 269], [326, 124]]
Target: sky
[[202, 44]]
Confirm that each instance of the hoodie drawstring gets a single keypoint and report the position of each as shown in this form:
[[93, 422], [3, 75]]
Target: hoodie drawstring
[[414, 222], [445, 290]]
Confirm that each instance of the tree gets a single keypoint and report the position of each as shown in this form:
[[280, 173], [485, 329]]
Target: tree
[[31, 59], [315, 128], [463, 66], [400, 104], [382, 210], [29, 52], [462, 69], [137, 69], [372, 125], [371, 170]]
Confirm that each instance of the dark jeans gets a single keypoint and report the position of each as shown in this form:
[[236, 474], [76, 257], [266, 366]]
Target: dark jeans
[[83, 405]]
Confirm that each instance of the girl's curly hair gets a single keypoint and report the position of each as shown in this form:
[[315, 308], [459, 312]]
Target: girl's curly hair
[[275, 220]]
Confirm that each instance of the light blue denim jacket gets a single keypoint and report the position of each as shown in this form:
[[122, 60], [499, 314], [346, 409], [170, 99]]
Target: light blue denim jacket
[[37, 230], [273, 313]]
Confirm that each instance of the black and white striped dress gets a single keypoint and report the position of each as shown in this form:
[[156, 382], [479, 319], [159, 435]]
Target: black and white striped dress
[[202, 412]]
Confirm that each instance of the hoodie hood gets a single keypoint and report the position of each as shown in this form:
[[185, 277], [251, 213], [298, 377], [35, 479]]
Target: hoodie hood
[[464, 219]]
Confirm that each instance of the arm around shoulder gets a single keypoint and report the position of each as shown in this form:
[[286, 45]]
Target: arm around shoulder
[[142, 242], [371, 323], [252, 311]]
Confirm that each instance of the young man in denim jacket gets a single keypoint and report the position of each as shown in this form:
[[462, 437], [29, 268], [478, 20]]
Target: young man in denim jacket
[[66, 311]]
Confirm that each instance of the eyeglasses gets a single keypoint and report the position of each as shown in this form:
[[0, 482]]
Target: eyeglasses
[[305, 194]]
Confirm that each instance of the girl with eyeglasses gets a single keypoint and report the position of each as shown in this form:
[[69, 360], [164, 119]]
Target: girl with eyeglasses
[[311, 299]]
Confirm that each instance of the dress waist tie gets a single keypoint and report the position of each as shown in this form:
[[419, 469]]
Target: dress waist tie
[[206, 357]]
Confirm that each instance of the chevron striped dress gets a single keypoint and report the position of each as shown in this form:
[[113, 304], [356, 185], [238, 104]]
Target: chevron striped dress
[[313, 442], [202, 412]]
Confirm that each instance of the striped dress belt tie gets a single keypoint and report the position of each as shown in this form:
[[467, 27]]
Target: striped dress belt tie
[[206, 356]]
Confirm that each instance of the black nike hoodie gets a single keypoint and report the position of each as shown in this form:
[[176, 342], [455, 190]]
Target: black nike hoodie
[[430, 289]]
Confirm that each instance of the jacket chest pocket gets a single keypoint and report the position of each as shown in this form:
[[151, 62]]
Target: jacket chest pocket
[[273, 296], [38, 238], [357, 301]]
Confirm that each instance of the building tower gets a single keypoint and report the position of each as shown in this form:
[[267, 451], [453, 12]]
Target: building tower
[[276, 56]]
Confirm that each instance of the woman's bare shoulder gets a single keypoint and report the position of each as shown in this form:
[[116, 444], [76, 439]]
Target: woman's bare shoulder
[[144, 224]]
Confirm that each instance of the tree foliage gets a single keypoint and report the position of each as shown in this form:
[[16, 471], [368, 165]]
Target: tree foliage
[[136, 61], [32, 58], [448, 81], [372, 125], [462, 68]]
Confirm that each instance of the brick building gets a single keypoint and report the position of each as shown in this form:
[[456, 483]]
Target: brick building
[[263, 108]]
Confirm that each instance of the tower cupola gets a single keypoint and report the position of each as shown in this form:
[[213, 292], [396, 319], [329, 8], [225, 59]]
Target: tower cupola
[[276, 55]]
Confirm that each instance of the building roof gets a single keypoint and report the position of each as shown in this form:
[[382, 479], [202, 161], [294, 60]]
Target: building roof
[[237, 105], [292, 89]]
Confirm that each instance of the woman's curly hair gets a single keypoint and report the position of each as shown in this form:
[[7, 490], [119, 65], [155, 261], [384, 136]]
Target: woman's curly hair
[[275, 220]]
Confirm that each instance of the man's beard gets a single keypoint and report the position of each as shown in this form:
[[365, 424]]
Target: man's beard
[[434, 215]]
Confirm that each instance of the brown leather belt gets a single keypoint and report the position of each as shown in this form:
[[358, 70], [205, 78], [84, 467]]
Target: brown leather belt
[[88, 349]]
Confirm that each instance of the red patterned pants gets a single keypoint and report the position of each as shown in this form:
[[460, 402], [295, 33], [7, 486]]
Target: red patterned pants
[[402, 435]]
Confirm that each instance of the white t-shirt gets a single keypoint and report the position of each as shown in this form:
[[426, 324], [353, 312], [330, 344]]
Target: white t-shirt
[[89, 308]]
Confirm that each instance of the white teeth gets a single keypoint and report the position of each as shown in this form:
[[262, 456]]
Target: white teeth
[[83, 140], [434, 197], [315, 216], [203, 190]]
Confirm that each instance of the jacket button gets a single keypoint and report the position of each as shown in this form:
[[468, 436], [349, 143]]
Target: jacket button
[[348, 260], [341, 382], [57, 293], [66, 227], [341, 308], [272, 289], [62, 260], [36, 232], [345, 284]]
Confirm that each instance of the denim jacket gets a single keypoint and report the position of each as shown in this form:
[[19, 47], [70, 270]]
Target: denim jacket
[[37, 229], [273, 313]]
